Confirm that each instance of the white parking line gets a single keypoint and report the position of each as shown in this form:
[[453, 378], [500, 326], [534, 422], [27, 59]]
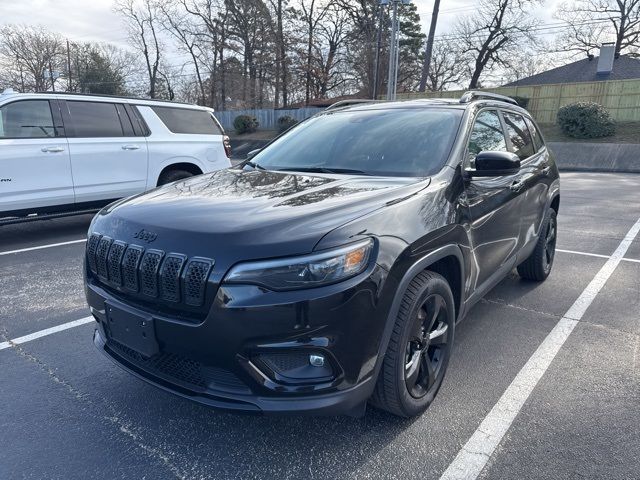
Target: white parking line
[[599, 255], [475, 454], [9, 252], [45, 332]]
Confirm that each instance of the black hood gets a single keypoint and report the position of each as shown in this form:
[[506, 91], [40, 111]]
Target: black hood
[[271, 213]]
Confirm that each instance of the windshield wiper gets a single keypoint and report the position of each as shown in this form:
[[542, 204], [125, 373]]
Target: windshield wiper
[[325, 170], [255, 166]]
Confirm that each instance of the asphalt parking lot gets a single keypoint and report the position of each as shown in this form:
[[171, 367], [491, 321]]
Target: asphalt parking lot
[[68, 412]]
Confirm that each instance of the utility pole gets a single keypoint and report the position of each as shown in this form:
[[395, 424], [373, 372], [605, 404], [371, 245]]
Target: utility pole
[[391, 86], [53, 80], [429, 48], [394, 55], [376, 73], [68, 67]]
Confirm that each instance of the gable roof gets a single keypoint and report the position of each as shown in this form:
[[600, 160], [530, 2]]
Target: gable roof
[[624, 68]]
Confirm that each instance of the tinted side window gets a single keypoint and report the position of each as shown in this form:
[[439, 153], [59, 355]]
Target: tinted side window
[[486, 135], [125, 121], [95, 119], [184, 120], [535, 134], [26, 119], [519, 135]]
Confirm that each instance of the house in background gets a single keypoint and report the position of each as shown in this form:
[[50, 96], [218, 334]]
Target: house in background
[[592, 69]]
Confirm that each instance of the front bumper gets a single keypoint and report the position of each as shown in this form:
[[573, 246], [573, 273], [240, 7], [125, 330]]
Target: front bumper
[[335, 403], [219, 360]]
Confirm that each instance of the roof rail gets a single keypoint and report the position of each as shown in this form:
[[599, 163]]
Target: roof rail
[[106, 95], [476, 95], [353, 101]]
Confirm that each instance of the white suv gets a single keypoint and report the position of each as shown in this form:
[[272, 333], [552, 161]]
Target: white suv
[[69, 151]]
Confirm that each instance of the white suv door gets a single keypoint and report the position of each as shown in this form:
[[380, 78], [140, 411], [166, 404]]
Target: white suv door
[[35, 169], [108, 160]]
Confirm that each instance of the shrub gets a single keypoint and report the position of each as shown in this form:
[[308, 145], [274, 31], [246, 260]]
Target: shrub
[[522, 101], [286, 122], [245, 124], [585, 120]]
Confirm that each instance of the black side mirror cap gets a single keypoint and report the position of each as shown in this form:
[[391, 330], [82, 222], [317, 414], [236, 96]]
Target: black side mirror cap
[[495, 164]]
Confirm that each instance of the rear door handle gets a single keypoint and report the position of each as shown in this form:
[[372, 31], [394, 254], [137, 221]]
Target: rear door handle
[[52, 149], [516, 186], [130, 147]]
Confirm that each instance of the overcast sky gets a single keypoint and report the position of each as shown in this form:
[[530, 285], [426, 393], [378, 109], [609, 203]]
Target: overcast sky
[[94, 20]]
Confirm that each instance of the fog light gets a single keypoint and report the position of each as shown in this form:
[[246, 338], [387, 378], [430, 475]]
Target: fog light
[[316, 360]]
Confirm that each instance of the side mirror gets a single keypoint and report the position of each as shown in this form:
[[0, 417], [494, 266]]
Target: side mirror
[[495, 164], [253, 153]]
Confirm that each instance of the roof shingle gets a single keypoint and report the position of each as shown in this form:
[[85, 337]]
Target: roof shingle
[[624, 68]]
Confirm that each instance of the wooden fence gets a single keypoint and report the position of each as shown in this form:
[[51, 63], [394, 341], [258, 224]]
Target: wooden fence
[[620, 97]]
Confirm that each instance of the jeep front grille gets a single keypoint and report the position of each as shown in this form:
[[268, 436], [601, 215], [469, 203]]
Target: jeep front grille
[[149, 275]]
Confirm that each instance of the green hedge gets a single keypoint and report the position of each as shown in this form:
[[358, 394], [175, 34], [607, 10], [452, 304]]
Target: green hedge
[[245, 124], [522, 101], [286, 122], [585, 120]]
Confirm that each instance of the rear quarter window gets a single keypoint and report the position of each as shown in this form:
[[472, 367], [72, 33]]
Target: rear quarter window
[[184, 120]]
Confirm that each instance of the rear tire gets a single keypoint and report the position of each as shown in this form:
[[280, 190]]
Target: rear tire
[[419, 348], [538, 266], [173, 176]]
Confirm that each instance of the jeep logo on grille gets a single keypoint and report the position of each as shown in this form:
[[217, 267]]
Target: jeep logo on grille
[[145, 236]]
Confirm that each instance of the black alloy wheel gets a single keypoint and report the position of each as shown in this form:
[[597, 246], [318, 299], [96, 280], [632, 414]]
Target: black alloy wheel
[[419, 349], [550, 244], [427, 347], [538, 266]]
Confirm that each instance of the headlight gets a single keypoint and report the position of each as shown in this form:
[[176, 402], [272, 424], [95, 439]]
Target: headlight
[[305, 272]]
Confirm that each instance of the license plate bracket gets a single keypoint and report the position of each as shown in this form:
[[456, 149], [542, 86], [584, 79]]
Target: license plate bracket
[[132, 329]]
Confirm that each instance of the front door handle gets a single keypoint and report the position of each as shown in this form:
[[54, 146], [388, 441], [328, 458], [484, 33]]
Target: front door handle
[[130, 147], [52, 149], [516, 186]]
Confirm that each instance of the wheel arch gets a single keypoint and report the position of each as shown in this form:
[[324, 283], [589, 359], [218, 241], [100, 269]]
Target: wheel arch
[[187, 166], [440, 260]]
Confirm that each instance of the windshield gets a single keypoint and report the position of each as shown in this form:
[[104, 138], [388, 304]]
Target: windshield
[[393, 142]]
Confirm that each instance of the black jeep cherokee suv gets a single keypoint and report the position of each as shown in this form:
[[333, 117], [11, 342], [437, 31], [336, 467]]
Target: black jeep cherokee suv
[[331, 268]]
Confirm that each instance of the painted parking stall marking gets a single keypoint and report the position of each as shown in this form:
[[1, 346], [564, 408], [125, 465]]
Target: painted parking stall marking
[[475, 454], [45, 332], [20, 250]]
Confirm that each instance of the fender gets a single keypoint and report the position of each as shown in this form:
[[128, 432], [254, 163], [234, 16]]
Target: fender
[[422, 264], [154, 175]]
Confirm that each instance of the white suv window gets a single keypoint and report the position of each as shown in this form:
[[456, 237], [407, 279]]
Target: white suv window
[[95, 119], [26, 119], [184, 120]]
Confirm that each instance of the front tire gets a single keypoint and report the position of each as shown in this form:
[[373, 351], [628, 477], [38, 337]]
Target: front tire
[[538, 266], [419, 348]]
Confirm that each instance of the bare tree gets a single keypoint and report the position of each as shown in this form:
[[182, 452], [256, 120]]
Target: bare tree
[[30, 54], [446, 67], [249, 24], [142, 20], [590, 23], [312, 13], [491, 34], [364, 16], [178, 25], [330, 54]]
